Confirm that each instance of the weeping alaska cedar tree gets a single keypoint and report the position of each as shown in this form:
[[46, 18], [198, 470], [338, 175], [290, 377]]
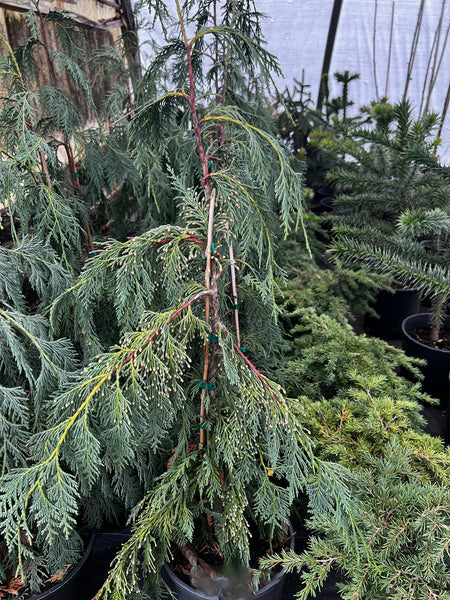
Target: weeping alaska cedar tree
[[193, 304]]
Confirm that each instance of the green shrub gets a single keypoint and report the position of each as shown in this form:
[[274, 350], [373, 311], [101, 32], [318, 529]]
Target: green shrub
[[401, 545]]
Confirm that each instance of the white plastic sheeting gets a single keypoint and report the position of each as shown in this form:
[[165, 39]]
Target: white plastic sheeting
[[297, 30]]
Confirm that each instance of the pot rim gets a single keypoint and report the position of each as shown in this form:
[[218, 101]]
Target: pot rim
[[201, 596], [393, 290], [422, 345], [55, 588]]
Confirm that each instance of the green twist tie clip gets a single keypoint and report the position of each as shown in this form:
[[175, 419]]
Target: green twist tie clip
[[209, 164], [75, 175], [213, 248], [206, 386], [213, 338], [207, 427], [243, 349], [236, 306]]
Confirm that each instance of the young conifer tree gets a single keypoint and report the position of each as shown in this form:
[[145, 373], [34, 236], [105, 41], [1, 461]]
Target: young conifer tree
[[395, 195], [182, 404]]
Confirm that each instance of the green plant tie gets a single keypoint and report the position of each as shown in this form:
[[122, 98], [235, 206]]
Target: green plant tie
[[213, 338], [236, 306], [205, 386], [209, 164], [75, 175], [207, 427], [243, 349], [213, 248]]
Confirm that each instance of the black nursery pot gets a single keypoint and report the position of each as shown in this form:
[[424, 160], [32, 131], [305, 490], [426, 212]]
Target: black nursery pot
[[393, 308], [272, 591], [436, 381], [87, 577]]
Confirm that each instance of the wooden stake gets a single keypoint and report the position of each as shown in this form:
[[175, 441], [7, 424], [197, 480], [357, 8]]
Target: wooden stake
[[209, 242]]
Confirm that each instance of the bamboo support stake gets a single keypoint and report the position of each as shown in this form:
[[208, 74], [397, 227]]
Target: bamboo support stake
[[427, 72], [437, 64], [209, 242]]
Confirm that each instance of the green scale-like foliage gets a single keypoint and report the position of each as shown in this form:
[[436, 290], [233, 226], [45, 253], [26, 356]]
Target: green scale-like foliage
[[47, 200], [32, 366], [28, 355], [34, 124]]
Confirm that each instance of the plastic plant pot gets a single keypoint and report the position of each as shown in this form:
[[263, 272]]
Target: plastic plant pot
[[435, 382], [272, 591]]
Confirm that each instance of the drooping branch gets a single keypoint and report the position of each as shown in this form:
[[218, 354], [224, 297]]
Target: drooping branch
[[98, 381], [256, 372], [235, 294], [173, 316]]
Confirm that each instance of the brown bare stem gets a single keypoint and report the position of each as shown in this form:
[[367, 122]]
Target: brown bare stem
[[76, 184], [255, 370], [45, 44], [414, 45]]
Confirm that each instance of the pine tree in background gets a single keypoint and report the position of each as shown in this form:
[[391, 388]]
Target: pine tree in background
[[377, 179], [395, 196], [189, 310]]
